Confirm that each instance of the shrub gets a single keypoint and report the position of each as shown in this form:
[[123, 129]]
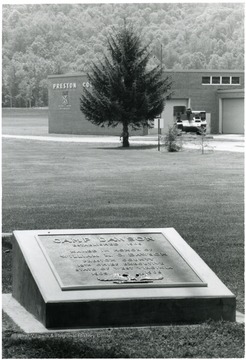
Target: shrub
[[172, 140]]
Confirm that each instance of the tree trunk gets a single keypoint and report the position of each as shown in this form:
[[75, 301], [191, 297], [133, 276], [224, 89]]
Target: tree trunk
[[125, 135]]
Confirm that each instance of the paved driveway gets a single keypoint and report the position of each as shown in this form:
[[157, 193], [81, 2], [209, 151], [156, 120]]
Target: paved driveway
[[233, 143]]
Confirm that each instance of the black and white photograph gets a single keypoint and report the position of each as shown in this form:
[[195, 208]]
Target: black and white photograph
[[123, 179]]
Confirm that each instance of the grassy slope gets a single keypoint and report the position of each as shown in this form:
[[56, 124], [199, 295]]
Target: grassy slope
[[59, 185]]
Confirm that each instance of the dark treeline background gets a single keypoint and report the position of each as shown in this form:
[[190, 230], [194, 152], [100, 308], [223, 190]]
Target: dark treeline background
[[39, 40]]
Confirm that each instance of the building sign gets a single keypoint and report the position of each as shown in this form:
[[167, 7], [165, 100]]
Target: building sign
[[65, 98], [161, 123], [64, 105], [87, 84], [72, 85], [61, 86]]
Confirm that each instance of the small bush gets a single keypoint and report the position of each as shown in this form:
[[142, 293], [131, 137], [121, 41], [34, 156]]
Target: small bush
[[172, 140]]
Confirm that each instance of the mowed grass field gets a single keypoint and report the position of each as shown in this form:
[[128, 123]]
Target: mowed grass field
[[50, 185], [25, 121]]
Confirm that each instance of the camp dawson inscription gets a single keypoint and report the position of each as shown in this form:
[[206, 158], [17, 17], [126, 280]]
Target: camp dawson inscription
[[116, 260]]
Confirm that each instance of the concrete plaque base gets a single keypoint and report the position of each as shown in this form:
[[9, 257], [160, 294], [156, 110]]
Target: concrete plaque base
[[115, 277]]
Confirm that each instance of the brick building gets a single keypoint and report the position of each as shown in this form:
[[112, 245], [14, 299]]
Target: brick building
[[65, 116], [219, 93]]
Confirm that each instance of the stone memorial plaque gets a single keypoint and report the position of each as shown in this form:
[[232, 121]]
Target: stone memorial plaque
[[77, 278], [91, 261]]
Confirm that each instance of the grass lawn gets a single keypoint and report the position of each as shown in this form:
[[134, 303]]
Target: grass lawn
[[209, 340], [25, 122], [49, 185]]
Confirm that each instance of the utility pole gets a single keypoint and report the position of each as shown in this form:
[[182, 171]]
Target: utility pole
[[159, 128], [161, 56]]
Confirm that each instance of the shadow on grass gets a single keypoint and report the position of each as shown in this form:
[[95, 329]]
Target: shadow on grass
[[207, 340], [131, 147], [33, 346]]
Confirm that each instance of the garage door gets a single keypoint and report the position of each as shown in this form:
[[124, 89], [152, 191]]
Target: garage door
[[167, 114], [233, 116]]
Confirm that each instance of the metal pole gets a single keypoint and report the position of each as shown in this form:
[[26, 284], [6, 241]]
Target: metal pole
[[159, 129], [161, 56]]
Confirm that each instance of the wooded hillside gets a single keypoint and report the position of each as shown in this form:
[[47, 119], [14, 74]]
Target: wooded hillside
[[39, 40]]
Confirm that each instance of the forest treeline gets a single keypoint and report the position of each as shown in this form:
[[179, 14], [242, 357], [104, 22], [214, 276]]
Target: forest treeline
[[40, 40]]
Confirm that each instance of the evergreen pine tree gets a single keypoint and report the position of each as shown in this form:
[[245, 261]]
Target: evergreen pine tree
[[123, 90]]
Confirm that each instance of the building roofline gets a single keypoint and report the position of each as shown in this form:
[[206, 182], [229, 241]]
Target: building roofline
[[75, 74], [204, 71], [66, 75]]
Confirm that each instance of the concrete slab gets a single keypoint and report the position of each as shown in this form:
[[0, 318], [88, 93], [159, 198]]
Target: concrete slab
[[81, 139], [21, 316], [229, 137], [30, 325], [240, 317]]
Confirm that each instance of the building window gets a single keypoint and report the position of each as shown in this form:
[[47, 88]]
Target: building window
[[235, 80], [215, 79], [178, 110], [206, 79], [225, 79], [203, 115], [220, 80]]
